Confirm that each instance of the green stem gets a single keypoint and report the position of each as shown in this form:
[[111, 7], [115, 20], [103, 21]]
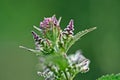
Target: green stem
[[66, 75]]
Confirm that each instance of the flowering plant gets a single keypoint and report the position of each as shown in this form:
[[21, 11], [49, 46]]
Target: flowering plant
[[52, 45]]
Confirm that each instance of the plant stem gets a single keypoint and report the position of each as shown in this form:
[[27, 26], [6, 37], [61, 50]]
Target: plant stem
[[66, 75]]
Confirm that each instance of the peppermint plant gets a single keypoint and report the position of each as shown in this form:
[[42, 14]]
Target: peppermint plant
[[51, 47]]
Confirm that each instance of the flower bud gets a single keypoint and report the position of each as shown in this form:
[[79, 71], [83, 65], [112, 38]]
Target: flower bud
[[70, 28]]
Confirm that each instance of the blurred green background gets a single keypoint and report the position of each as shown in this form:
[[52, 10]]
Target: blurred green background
[[101, 46]]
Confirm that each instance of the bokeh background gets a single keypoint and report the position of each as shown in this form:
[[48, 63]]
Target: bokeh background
[[101, 46]]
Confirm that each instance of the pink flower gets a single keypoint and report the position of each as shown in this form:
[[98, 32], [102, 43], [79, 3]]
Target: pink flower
[[47, 21]]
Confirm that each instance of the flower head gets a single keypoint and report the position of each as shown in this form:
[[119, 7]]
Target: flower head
[[80, 61], [48, 21]]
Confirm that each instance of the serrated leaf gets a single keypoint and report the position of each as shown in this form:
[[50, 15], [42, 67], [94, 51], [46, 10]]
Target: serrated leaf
[[82, 33], [79, 35], [110, 77]]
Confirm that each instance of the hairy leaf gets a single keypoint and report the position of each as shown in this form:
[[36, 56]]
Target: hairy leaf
[[110, 77], [79, 35]]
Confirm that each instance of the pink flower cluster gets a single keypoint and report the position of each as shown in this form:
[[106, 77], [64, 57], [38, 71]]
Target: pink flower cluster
[[46, 22]]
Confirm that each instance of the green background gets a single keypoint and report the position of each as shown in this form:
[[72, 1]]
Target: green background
[[101, 46]]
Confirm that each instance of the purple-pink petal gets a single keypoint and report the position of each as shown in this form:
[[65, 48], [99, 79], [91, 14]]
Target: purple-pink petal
[[45, 23]]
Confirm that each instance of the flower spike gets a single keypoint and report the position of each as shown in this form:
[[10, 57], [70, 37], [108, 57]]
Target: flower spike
[[52, 47], [70, 28]]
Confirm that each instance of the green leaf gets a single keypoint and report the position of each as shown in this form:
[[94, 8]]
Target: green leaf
[[110, 77], [79, 35]]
